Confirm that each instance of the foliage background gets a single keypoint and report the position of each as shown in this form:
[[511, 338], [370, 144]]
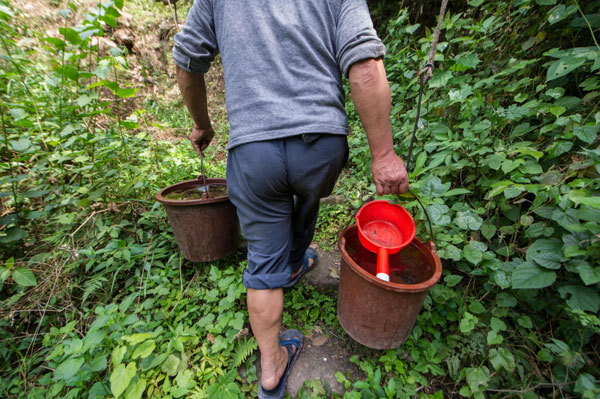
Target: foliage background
[[96, 301]]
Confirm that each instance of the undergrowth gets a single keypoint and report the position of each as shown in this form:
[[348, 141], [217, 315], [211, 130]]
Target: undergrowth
[[96, 301]]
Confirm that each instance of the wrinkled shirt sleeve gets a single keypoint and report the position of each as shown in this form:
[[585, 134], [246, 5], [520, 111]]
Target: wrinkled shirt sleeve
[[196, 44], [356, 39]]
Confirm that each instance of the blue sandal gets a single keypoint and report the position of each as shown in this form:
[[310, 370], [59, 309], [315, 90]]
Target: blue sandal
[[305, 268], [288, 339]]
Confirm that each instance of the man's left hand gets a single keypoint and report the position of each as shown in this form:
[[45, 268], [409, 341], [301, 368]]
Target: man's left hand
[[389, 174]]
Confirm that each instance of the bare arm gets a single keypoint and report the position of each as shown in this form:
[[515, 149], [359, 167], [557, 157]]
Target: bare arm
[[193, 90], [371, 95]]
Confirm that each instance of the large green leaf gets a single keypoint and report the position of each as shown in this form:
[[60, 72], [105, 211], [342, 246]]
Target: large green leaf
[[498, 188], [85, 99], [472, 253], [546, 252], [588, 274], [135, 339], [158, 360], [24, 277], [12, 234], [579, 297], [477, 378], [586, 384], [126, 92], [452, 279], [99, 362], [468, 60], [593, 202], [567, 219], [171, 365], [513, 191], [4, 274], [563, 66], [121, 377], [432, 186], [451, 252], [136, 389], [439, 214], [468, 220], [144, 350], [529, 275], [20, 145], [117, 355], [224, 388], [502, 358], [586, 133], [494, 338], [94, 338], [488, 230], [68, 368], [70, 35], [497, 324], [560, 12], [58, 43], [467, 323]]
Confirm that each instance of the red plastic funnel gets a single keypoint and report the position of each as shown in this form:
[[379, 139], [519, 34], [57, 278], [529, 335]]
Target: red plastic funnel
[[385, 229]]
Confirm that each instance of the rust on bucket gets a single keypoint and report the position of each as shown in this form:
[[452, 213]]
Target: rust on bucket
[[205, 229], [379, 314]]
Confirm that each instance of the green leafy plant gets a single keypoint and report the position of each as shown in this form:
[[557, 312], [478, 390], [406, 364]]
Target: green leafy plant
[[95, 300]]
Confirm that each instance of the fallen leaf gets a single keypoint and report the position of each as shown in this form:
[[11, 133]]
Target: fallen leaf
[[242, 333], [210, 337], [333, 272], [320, 340]]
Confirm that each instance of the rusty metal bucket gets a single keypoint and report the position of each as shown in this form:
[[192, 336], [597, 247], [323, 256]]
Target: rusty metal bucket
[[380, 314], [205, 229]]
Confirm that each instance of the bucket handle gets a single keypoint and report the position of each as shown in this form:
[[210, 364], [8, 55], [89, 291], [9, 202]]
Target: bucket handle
[[431, 235], [426, 215], [203, 175]]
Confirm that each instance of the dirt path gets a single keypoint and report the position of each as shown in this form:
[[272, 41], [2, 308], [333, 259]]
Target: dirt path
[[324, 353]]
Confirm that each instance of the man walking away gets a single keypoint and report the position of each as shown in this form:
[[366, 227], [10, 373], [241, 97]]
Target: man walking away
[[283, 62]]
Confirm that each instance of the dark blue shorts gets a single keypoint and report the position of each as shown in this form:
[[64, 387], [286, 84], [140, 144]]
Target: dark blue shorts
[[276, 186]]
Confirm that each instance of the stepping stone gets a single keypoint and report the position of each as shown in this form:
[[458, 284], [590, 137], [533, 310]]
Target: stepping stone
[[327, 273], [321, 356]]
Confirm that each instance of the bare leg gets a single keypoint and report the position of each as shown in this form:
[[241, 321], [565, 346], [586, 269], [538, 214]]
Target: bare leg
[[265, 308]]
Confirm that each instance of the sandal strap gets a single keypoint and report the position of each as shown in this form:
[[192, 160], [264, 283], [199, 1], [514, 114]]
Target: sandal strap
[[304, 265], [290, 341], [287, 344]]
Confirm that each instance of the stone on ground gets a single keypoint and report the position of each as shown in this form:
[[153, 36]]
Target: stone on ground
[[327, 273], [320, 358]]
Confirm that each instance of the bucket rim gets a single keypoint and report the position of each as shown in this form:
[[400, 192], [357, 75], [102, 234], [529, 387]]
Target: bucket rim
[[390, 286], [160, 196]]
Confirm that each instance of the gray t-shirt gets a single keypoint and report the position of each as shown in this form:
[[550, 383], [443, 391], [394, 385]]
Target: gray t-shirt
[[282, 59]]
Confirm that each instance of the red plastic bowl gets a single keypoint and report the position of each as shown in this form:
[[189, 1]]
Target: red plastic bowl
[[385, 229]]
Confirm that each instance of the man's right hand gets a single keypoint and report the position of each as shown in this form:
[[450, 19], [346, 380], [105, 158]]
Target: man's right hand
[[389, 174], [201, 138]]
